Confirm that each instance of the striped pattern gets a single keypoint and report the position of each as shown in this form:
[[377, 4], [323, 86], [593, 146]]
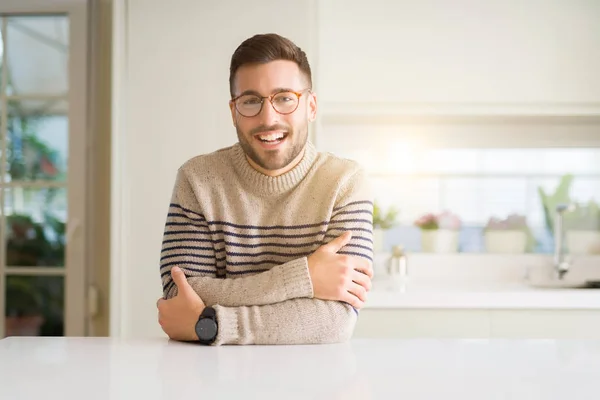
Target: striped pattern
[[223, 249], [242, 239]]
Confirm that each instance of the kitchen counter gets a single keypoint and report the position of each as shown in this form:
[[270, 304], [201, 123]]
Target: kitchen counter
[[479, 281], [476, 295], [109, 369]]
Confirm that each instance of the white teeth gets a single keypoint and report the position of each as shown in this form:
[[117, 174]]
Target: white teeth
[[271, 137]]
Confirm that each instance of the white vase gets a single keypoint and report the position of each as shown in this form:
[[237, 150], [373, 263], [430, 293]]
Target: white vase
[[378, 237], [439, 240], [583, 242], [505, 242]]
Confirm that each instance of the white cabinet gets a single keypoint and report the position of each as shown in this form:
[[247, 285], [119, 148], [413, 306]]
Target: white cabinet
[[427, 323], [566, 324], [435, 53], [458, 323]]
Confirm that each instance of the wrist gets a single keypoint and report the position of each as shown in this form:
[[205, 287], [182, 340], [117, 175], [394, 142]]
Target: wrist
[[197, 313], [310, 266], [229, 326], [206, 327], [296, 279]]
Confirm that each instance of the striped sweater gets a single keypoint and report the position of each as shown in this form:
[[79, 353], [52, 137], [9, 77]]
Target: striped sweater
[[242, 239]]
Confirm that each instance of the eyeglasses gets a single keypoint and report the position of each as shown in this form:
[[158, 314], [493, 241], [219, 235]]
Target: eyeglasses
[[250, 105]]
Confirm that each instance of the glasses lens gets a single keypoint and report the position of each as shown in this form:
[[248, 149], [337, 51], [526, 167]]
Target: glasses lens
[[248, 105], [285, 102]]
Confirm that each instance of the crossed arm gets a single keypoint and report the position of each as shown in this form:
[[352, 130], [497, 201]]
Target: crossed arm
[[306, 300]]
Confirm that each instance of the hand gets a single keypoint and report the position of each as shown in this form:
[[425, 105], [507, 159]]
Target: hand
[[338, 276], [178, 315]]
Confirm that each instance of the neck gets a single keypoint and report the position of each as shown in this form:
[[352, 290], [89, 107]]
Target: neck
[[268, 183], [277, 172]]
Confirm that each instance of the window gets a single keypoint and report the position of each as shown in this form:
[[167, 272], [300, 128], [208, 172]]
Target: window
[[496, 170]]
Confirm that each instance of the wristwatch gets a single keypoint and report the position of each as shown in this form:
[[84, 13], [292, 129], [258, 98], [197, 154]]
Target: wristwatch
[[207, 327]]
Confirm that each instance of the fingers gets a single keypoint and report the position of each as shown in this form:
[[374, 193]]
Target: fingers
[[179, 278], [358, 291], [363, 266], [336, 244], [353, 300], [159, 304], [361, 279]]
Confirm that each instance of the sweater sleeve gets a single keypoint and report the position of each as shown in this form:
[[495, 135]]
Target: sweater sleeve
[[309, 321], [188, 244], [296, 321]]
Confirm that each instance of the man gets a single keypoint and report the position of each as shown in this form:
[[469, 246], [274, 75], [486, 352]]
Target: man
[[267, 241]]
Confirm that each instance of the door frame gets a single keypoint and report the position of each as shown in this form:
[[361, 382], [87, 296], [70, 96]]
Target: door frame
[[75, 310], [119, 222]]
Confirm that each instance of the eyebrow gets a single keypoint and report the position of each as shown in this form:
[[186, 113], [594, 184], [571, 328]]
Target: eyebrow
[[276, 90]]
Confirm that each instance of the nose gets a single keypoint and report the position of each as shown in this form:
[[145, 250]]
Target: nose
[[268, 116]]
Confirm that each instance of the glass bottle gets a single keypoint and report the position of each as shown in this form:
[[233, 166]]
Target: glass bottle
[[398, 269]]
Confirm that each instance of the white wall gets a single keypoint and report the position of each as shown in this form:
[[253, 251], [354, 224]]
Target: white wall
[[171, 92]]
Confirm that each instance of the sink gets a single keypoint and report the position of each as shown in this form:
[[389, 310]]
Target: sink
[[582, 274], [564, 271]]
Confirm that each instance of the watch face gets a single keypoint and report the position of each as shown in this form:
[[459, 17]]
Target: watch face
[[206, 329]]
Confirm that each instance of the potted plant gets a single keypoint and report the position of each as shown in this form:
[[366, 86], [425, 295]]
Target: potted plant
[[510, 235], [581, 225], [582, 228], [550, 201], [35, 303], [439, 232], [24, 311], [382, 222], [33, 243]]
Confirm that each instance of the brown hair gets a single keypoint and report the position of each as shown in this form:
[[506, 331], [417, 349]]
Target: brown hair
[[264, 48]]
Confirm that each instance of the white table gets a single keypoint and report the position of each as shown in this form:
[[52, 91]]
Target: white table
[[109, 369]]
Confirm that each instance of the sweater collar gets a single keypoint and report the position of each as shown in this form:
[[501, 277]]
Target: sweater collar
[[273, 184]]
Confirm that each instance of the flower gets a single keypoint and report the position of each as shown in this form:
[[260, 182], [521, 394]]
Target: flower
[[447, 220], [427, 221], [444, 220], [512, 222]]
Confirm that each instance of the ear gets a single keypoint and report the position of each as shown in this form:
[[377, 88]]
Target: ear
[[233, 112], [312, 106]]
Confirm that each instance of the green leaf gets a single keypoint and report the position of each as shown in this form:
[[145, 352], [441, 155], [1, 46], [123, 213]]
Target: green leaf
[[384, 221], [560, 196]]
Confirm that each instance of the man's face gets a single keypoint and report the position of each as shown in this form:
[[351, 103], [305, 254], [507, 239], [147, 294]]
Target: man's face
[[270, 139]]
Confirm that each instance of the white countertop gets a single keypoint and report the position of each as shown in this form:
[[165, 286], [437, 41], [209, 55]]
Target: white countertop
[[482, 281], [110, 369], [500, 295]]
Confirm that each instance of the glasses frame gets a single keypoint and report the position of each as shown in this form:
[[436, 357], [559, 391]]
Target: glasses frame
[[262, 101]]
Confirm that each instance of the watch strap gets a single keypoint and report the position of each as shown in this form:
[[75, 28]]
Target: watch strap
[[209, 312]]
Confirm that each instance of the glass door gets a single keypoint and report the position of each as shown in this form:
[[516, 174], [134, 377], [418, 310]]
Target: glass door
[[42, 173]]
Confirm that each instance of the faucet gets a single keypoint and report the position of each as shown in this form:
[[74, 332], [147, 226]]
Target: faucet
[[561, 264]]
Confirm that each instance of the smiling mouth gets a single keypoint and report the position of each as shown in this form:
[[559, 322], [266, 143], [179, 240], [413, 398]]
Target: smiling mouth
[[271, 138]]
